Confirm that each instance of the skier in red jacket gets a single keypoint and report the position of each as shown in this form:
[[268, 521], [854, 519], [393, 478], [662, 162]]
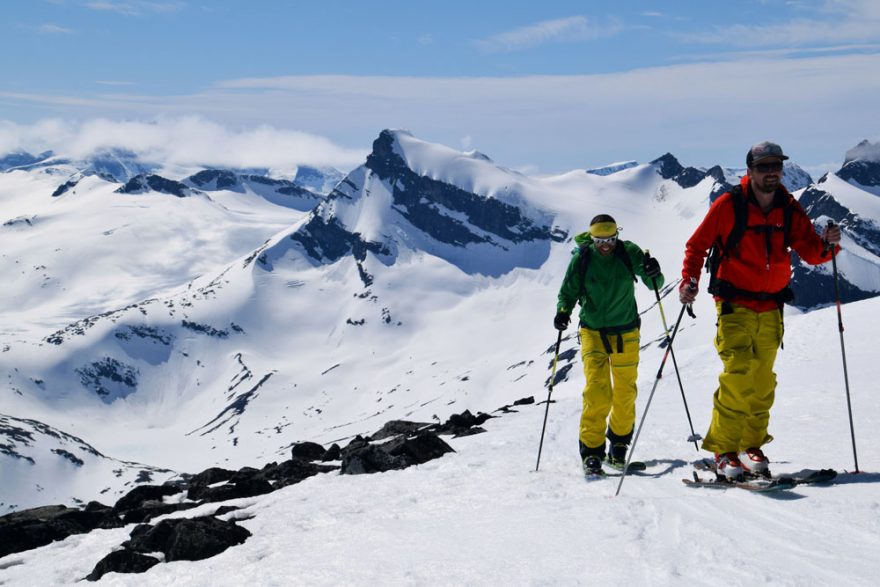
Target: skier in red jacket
[[750, 283]]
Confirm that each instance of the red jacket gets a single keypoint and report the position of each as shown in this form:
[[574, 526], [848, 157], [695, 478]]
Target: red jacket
[[752, 266]]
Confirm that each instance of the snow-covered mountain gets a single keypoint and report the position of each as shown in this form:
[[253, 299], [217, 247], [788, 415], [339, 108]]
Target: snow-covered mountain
[[19, 159], [118, 165], [387, 208], [222, 328], [51, 466], [861, 167], [281, 192], [850, 197], [270, 340]]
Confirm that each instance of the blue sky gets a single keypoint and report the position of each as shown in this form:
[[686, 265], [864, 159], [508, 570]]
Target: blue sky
[[542, 87]]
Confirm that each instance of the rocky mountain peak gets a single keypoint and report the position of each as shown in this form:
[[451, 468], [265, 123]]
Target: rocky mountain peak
[[862, 165], [667, 166], [144, 183]]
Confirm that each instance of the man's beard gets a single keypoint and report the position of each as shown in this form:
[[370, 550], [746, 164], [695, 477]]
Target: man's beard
[[769, 184]]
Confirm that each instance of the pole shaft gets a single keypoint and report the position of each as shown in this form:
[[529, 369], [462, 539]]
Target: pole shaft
[[852, 431], [549, 391], [675, 363], [650, 397]]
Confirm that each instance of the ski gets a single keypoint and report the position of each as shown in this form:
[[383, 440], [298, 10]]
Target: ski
[[759, 483], [634, 467], [616, 470], [804, 477]]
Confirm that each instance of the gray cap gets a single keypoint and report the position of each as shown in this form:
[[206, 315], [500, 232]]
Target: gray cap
[[763, 151]]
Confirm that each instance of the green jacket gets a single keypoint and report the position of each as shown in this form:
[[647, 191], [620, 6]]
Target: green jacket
[[607, 292]]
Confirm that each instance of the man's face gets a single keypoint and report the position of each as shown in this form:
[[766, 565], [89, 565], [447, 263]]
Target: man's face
[[605, 246], [767, 174]]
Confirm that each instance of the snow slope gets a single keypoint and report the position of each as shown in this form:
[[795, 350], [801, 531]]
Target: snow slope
[[483, 515], [91, 250]]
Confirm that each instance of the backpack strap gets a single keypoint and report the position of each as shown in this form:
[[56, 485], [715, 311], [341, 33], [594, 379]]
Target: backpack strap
[[584, 261], [787, 215], [620, 253], [740, 220], [722, 249]]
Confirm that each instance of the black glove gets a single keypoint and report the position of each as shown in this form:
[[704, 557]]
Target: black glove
[[651, 267], [560, 322]]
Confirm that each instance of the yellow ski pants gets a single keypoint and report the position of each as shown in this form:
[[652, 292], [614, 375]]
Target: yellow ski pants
[[611, 385], [747, 342]]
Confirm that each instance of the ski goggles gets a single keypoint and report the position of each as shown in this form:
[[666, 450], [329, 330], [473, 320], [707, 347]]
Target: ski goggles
[[768, 167], [605, 241]]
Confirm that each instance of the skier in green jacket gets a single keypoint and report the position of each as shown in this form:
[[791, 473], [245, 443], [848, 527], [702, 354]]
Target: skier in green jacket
[[600, 277]]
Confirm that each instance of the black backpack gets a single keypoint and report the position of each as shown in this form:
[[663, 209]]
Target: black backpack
[[721, 250]]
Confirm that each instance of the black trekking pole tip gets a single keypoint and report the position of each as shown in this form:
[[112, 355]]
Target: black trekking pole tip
[[694, 437]]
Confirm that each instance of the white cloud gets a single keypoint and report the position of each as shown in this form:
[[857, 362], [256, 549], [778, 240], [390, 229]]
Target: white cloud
[[53, 29], [855, 9], [836, 21], [186, 140], [571, 29], [705, 113], [427, 39], [864, 151]]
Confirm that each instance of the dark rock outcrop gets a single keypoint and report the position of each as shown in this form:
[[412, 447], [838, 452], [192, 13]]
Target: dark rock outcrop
[[144, 183], [402, 451], [40, 526], [397, 427], [143, 493], [245, 487], [189, 539], [308, 451], [669, 168], [463, 424], [122, 561]]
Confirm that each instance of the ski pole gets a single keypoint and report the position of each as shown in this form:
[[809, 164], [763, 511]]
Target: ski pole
[[549, 391], [650, 397], [694, 437], [843, 351]]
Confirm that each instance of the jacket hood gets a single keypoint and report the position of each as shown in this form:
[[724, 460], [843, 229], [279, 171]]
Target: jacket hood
[[583, 238]]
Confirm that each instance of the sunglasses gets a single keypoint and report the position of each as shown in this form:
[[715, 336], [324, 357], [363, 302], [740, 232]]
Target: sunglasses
[[768, 167], [605, 241]]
